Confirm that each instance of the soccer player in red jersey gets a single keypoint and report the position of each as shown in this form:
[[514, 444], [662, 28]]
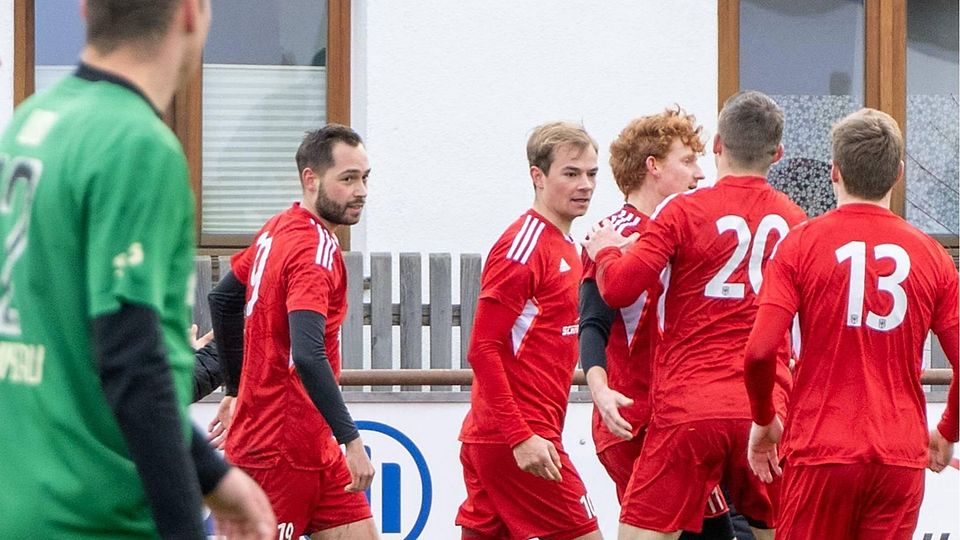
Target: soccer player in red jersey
[[868, 288], [653, 157], [279, 310], [523, 350], [712, 242]]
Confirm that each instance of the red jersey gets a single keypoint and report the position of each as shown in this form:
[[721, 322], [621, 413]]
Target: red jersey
[[295, 264], [533, 270], [868, 288], [632, 342], [713, 242]]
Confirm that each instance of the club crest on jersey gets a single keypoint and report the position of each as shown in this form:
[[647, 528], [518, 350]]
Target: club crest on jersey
[[564, 265]]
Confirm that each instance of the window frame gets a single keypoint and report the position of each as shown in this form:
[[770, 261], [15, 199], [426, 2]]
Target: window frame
[[185, 116]]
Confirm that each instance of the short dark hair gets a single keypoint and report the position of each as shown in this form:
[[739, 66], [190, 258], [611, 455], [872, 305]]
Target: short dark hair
[[750, 127], [868, 149], [316, 150], [111, 23]]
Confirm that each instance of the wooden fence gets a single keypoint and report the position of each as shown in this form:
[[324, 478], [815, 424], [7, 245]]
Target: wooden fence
[[368, 330]]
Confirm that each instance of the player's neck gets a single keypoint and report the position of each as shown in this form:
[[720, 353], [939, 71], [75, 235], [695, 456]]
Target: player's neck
[[727, 167], [158, 78], [646, 199], [845, 198], [559, 222]]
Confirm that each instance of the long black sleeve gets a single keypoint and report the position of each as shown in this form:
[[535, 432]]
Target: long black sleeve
[[596, 319], [310, 356], [138, 386], [226, 314], [211, 468], [207, 375]]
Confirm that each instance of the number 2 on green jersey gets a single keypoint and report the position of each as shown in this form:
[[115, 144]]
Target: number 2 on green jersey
[[13, 172]]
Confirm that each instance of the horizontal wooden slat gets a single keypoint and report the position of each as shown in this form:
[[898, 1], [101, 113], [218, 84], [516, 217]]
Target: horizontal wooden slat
[[351, 377]]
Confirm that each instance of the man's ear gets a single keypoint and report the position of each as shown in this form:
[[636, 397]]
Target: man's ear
[[651, 165], [537, 176], [717, 144], [835, 172], [778, 154], [309, 181]]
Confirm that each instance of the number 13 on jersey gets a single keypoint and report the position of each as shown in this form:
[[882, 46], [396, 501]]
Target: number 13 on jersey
[[856, 253]]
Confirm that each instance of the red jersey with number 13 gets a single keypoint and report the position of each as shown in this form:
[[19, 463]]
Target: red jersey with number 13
[[295, 264], [868, 287]]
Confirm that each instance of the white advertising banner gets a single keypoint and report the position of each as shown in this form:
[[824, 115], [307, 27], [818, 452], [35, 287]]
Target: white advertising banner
[[419, 485]]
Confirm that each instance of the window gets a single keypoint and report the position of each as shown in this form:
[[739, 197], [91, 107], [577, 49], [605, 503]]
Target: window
[[264, 85], [897, 56], [273, 69], [809, 58], [933, 179]]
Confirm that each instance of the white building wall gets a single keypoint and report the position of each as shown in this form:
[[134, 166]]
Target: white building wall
[[446, 95]]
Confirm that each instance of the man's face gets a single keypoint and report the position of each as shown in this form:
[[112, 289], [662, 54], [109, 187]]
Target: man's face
[[342, 190], [568, 186], [679, 170]]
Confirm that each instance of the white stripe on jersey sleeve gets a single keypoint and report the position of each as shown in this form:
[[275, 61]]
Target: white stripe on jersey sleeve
[[525, 240], [517, 238], [533, 242], [522, 324], [321, 246], [326, 246], [662, 301], [631, 223], [631, 317]]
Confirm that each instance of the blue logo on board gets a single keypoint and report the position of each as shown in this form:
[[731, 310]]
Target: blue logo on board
[[391, 482]]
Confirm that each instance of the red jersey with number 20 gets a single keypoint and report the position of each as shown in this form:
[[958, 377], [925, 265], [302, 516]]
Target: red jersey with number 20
[[868, 288], [632, 342], [713, 242], [534, 270], [295, 264]]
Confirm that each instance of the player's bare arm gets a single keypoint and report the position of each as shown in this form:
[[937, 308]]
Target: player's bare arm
[[608, 402]]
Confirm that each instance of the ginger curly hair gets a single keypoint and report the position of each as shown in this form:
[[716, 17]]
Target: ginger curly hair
[[650, 136]]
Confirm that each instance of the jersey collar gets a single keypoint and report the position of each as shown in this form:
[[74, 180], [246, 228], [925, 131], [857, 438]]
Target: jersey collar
[[864, 208], [92, 74], [743, 181]]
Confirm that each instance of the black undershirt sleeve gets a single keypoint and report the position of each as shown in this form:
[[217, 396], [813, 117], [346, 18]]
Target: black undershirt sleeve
[[138, 385], [310, 356], [596, 319], [226, 314], [211, 468], [207, 375]]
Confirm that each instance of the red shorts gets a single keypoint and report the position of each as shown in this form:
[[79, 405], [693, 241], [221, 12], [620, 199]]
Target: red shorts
[[618, 460], [855, 501], [309, 501], [679, 468], [506, 502]]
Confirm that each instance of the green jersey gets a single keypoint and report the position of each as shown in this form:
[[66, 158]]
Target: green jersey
[[95, 210]]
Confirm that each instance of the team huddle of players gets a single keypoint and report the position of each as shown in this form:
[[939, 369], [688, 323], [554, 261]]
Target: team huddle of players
[[686, 354], [681, 309]]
